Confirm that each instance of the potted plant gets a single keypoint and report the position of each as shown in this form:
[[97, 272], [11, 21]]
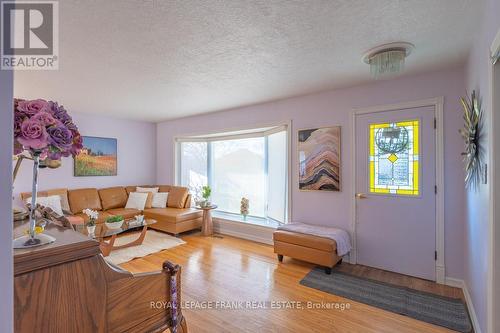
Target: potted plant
[[205, 193], [114, 222], [244, 207], [93, 215]]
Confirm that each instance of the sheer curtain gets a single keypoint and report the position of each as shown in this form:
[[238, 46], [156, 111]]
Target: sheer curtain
[[277, 180], [193, 166], [239, 171]]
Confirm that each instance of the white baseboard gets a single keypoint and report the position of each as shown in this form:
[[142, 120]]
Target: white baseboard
[[452, 282], [256, 233]]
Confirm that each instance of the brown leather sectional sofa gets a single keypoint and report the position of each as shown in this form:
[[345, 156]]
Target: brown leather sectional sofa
[[176, 218]]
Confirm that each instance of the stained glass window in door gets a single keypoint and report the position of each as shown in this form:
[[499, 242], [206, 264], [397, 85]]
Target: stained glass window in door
[[394, 158]]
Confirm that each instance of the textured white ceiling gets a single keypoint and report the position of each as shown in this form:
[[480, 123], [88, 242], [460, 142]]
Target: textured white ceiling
[[158, 60]]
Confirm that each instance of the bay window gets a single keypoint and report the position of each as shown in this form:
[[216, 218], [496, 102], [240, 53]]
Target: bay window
[[251, 164]]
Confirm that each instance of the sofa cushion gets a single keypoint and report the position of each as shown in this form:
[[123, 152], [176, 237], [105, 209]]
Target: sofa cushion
[[189, 201], [127, 213], [80, 199], [163, 188], [177, 196], [149, 200], [314, 242], [130, 189], [113, 197], [100, 219], [172, 215], [27, 195]]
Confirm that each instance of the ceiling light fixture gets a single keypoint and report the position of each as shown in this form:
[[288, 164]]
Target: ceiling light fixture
[[388, 59]]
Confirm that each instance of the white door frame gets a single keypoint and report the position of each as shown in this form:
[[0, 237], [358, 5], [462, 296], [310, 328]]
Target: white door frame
[[492, 303], [437, 103]]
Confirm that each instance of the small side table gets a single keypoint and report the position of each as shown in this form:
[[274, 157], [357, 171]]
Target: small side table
[[207, 227]]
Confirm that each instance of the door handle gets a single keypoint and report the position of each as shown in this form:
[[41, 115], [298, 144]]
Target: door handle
[[361, 196]]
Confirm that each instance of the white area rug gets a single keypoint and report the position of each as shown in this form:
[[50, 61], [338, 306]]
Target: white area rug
[[153, 242]]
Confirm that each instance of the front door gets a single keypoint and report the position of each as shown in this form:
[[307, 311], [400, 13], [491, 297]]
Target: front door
[[395, 191]]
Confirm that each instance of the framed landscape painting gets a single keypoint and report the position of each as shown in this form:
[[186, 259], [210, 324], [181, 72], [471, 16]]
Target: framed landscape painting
[[319, 159], [97, 158]]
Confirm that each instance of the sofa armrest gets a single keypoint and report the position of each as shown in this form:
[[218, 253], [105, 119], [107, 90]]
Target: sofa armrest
[[188, 201]]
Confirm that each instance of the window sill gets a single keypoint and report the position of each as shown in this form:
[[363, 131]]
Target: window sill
[[251, 220]]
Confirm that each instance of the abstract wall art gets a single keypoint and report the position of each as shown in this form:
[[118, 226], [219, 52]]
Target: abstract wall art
[[473, 134], [97, 158], [319, 159]]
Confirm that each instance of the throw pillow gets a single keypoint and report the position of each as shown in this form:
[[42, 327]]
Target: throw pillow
[[160, 200], [147, 189], [137, 200], [52, 201], [177, 197]]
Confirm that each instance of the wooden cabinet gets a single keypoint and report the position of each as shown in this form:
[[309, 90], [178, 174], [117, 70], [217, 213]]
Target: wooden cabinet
[[67, 286]]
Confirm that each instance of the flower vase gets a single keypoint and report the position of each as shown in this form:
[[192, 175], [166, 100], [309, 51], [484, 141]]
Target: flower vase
[[244, 217], [32, 239], [91, 229]]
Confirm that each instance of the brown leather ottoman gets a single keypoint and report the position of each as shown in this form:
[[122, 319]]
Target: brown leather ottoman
[[313, 249]]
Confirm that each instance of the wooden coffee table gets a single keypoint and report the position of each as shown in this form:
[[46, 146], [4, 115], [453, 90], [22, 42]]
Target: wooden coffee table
[[102, 232]]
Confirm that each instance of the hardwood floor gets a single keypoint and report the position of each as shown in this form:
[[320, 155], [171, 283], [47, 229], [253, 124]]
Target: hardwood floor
[[231, 269]]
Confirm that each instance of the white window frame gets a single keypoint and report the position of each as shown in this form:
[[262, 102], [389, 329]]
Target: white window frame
[[239, 133]]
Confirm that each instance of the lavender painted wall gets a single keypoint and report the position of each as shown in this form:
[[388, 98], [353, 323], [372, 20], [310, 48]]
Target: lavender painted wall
[[136, 156], [476, 231], [335, 108], [6, 271]]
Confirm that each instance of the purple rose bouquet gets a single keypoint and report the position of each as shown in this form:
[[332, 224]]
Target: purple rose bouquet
[[45, 128], [46, 131]]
